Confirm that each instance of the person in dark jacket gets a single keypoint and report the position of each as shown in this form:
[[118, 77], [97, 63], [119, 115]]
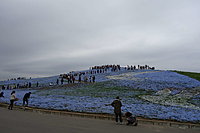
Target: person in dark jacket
[[117, 109], [25, 98], [1, 94], [131, 120]]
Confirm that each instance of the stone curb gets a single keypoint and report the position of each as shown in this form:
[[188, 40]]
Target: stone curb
[[168, 123]]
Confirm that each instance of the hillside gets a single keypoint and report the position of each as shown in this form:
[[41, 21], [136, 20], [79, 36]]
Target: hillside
[[147, 93], [190, 74]]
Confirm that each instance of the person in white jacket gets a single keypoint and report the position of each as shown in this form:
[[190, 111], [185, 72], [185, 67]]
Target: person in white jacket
[[12, 100]]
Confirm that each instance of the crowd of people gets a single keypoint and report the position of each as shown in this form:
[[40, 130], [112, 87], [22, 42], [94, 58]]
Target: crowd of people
[[118, 67], [19, 78], [79, 77], [107, 67], [18, 86], [89, 75]]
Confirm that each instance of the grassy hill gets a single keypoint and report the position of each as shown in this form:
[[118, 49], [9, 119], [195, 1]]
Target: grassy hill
[[190, 74]]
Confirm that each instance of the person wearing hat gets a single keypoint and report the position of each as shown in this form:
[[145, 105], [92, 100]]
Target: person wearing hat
[[25, 98], [117, 109]]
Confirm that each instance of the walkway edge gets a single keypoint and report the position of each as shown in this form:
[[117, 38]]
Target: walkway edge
[[106, 117]]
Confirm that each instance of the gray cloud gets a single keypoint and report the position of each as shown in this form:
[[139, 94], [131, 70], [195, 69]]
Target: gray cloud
[[47, 37]]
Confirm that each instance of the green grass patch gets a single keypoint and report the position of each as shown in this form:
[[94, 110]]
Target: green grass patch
[[195, 101], [190, 74], [100, 89]]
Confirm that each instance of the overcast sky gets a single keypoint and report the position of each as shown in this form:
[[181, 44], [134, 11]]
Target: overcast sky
[[49, 37]]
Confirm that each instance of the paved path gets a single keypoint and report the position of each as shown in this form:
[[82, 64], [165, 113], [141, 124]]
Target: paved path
[[16, 121]]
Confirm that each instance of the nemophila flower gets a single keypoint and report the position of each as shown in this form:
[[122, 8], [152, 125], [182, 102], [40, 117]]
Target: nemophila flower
[[151, 94]]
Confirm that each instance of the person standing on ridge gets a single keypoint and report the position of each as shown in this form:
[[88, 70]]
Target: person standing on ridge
[[37, 84], [93, 78], [62, 80], [117, 109], [79, 78], [57, 81]]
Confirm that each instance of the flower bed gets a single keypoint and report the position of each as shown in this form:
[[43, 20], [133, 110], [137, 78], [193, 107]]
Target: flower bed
[[150, 94]]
